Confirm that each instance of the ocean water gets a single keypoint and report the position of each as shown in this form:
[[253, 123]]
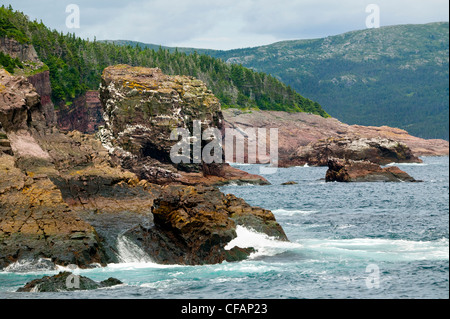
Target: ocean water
[[355, 240]]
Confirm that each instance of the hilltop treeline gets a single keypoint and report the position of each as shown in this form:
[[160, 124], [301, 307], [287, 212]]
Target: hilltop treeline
[[76, 65]]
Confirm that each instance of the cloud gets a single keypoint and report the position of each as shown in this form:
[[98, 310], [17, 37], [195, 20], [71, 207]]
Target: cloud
[[226, 24], [309, 18]]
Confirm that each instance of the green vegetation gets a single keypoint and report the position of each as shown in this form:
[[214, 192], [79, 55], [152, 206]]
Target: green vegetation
[[9, 63], [76, 65], [396, 76]]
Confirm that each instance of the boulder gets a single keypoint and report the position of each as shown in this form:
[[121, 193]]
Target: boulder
[[66, 281], [20, 105], [192, 225], [363, 171]]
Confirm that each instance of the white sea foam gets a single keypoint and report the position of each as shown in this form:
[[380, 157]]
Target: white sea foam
[[31, 266], [287, 212], [129, 252], [380, 249], [238, 184], [407, 164], [138, 265], [262, 243]]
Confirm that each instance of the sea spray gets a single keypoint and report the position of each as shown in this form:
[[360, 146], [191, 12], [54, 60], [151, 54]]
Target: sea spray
[[262, 243], [129, 252]]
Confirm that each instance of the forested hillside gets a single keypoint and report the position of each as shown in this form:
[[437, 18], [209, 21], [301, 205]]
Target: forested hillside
[[76, 65], [396, 75]]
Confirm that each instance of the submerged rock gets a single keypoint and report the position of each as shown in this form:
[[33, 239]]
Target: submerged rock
[[363, 171], [289, 183], [66, 281]]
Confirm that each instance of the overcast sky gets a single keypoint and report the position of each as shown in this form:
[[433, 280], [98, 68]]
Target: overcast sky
[[225, 24]]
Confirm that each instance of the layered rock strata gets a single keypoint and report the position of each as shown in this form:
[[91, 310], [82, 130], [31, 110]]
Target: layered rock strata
[[300, 132], [66, 199], [377, 150], [142, 107]]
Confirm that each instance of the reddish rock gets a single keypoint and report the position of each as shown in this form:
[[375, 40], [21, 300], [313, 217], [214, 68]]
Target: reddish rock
[[376, 150], [84, 115], [363, 171], [41, 82], [297, 130]]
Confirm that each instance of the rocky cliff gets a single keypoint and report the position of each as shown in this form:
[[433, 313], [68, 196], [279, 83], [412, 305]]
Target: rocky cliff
[[22, 51], [142, 106], [303, 138], [85, 114], [34, 70], [64, 198], [35, 221]]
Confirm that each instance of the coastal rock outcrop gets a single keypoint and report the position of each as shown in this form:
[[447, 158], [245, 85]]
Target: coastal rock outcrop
[[41, 82], [35, 221], [377, 150], [192, 225], [66, 281], [67, 200], [363, 171], [142, 107], [297, 130]]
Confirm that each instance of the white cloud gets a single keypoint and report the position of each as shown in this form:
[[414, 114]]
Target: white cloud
[[226, 24]]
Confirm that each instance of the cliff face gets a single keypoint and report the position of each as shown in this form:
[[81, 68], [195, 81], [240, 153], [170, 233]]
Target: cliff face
[[35, 73], [63, 197], [303, 137], [84, 115], [35, 221], [142, 106], [24, 52], [41, 82]]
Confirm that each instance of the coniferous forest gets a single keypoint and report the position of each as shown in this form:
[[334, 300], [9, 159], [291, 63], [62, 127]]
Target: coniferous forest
[[76, 65]]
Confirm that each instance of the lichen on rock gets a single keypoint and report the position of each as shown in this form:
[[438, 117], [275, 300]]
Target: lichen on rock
[[66, 199], [142, 106]]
